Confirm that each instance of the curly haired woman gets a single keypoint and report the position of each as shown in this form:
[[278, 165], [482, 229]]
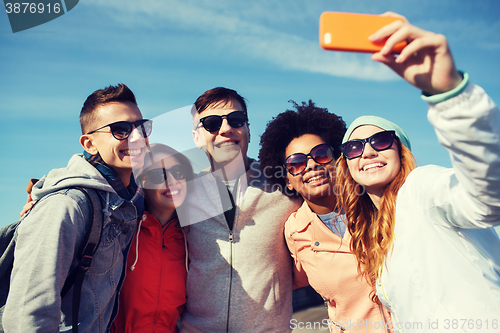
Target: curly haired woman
[[298, 152]]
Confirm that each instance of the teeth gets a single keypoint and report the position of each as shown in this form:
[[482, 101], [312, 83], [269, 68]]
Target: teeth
[[175, 192], [373, 165], [131, 152], [315, 178], [225, 144]]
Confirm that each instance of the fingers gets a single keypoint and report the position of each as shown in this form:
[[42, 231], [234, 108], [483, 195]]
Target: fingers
[[392, 14], [408, 33], [390, 61], [26, 208], [430, 40], [386, 31]]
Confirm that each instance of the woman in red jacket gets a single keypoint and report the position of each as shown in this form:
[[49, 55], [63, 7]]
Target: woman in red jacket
[[154, 290]]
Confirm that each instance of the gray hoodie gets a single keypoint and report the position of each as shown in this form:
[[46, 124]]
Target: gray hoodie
[[50, 237]]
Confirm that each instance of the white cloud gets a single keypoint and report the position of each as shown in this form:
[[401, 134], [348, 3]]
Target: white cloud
[[248, 31]]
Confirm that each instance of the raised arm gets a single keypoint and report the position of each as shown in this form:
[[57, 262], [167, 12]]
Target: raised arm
[[426, 62], [466, 121]]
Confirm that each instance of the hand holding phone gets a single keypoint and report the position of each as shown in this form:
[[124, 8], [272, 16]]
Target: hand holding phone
[[349, 31]]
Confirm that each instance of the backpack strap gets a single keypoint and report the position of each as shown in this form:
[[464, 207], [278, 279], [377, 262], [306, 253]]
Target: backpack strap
[[91, 243]]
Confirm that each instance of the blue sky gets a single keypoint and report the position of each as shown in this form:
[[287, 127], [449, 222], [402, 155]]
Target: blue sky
[[169, 52]]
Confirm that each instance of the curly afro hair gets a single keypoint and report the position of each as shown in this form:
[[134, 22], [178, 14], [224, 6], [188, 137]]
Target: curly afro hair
[[291, 124]]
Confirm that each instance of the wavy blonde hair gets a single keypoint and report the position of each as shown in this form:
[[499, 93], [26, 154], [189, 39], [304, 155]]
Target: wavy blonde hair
[[371, 229]]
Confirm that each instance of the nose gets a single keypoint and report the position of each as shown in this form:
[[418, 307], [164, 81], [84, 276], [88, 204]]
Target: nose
[[134, 135], [368, 151], [171, 180], [311, 163], [225, 127]]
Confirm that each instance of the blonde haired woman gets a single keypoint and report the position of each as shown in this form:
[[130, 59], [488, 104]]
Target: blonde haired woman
[[424, 237]]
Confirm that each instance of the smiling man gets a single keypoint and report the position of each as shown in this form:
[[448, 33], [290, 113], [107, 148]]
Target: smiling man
[[240, 271], [52, 233]]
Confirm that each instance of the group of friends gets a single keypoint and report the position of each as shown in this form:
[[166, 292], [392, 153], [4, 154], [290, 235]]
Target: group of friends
[[389, 246]]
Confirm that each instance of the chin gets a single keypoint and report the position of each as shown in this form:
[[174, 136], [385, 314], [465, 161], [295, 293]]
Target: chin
[[226, 158]]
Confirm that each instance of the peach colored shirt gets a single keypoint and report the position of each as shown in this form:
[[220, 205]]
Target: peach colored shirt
[[323, 260]]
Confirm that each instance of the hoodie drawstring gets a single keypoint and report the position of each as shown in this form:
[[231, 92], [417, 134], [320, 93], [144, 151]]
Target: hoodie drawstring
[[137, 242], [186, 247]]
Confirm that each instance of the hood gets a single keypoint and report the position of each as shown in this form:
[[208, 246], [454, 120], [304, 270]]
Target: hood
[[78, 172]]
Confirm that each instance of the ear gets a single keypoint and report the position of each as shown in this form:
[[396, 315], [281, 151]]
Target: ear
[[288, 185], [88, 144], [199, 140], [248, 129]]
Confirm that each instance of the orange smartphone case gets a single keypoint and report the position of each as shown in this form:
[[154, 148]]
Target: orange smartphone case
[[349, 31]]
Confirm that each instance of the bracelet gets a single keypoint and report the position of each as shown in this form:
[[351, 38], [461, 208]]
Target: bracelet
[[449, 94]]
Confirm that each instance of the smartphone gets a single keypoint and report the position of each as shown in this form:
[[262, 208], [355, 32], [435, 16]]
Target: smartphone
[[349, 31]]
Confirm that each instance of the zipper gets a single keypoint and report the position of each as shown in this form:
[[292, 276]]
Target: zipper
[[231, 238], [162, 254]]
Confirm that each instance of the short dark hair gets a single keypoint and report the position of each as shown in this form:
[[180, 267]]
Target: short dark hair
[[218, 95], [282, 129], [119, 93]]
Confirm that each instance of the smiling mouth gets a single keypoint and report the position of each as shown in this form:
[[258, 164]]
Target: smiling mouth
[[131, 152], [227, 144], [316, 178], [373, 166], [173, 192]]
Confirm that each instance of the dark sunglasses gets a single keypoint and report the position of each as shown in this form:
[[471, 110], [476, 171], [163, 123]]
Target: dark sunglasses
[[379, 141], [159, 175], [235, 119], [296, 163], [121, 129]]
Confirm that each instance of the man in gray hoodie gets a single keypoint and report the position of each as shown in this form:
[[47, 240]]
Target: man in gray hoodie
[[51, 234], [240, 270]]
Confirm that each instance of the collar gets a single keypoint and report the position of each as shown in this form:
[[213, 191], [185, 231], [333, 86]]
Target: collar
[[128, 193]]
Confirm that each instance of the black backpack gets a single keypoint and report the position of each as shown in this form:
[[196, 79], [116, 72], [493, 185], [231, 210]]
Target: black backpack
[[8, 237]]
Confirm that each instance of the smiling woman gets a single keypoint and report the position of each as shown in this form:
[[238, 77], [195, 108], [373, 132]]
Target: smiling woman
[[306, 144], [424, 237], [154, 290]]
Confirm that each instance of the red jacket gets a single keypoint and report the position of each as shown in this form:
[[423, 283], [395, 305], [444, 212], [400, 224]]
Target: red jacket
[[154, 292]]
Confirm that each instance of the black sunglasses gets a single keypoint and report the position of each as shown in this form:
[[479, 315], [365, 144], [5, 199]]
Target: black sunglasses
[[121, 129], [296, 163], [159, 175], [379, 141], [235, 119]]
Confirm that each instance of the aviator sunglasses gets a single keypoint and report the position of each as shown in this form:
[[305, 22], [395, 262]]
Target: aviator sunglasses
[[121, 129], [379, 141], [235, 119], [159, 175], [296, 163]]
